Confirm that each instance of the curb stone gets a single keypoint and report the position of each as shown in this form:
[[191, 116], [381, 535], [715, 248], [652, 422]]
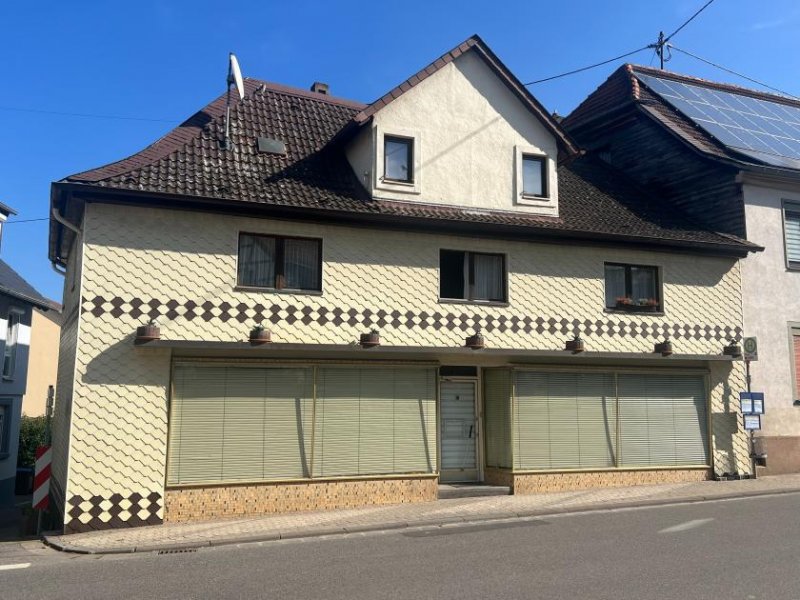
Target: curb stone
[[53, 541]]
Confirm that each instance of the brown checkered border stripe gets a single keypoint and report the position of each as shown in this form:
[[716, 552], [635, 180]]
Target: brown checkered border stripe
[[151, 503], [395, 319]]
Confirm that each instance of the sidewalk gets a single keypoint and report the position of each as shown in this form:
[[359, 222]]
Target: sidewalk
[[442, 512]]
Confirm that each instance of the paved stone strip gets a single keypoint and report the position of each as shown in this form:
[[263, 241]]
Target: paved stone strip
[[310, 524]]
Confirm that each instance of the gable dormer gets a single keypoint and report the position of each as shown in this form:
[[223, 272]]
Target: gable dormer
[[462, 132]]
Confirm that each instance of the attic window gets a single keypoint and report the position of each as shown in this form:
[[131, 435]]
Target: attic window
[[534, 176], [398, 155]]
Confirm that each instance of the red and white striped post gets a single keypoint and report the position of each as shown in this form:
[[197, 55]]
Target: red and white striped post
[[41, 478]]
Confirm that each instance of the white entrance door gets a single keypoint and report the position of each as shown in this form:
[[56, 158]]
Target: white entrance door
[[459, 431]]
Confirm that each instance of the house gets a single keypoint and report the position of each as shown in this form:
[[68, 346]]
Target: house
[[729, 157], [18, 300], [42, 359], [422, 266]]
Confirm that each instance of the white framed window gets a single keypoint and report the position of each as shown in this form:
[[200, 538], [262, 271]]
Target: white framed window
[[535, 182], [397, 160], [12, 340], [791, 234]]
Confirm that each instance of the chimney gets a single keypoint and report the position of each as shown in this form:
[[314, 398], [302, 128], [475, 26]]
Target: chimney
[[320, 88]]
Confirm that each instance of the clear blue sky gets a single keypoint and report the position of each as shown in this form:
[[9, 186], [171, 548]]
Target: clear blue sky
[[163, 60]]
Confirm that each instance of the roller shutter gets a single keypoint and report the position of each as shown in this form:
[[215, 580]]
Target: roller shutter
[[373, 421], [663, 420], [564, 420], [239, 424]]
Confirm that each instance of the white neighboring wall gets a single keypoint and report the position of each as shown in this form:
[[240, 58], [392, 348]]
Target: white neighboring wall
[[469, 130], [771, 298]]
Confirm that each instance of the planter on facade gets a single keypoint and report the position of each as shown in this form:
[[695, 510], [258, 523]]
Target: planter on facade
[[371, 339], [575, 345], [476, 342], [148, 333], [664, 348], [260, 335], [732, 349]]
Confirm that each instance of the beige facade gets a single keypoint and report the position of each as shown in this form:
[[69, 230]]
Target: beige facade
[[469, 133], [42, 360], [111, 435]]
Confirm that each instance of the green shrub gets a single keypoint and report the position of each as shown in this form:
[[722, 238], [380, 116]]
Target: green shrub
[[31, 436]]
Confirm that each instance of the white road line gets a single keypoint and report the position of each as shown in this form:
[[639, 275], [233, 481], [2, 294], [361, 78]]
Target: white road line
[[15, 566], [686, 526]]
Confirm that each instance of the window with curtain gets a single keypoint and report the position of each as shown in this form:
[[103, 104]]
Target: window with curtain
[[632, 288], [534, 176], [276, 262], [791, 230], [472, 276], [398, 156]]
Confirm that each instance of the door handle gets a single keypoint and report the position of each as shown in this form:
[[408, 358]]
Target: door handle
[[471, 427]]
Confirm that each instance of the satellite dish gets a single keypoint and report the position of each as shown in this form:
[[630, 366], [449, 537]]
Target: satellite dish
[[235, 75]]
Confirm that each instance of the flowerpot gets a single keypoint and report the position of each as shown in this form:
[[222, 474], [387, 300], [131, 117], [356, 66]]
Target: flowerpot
[[734, 350], [476, 342], [370, 340], [624, 306], [260, 336], [664, 348], [147, 333], [575, 346]]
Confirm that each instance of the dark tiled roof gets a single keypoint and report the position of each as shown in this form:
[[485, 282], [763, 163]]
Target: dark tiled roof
[[594, 202], [12, 284], [623, 89]]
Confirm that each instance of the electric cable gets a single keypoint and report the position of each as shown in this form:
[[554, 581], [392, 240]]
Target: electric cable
[[605, 62], [84, 115], [732, 72]]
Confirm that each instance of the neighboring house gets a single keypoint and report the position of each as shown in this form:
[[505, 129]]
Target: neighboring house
[[729, 157], [42, 359], [18, 300], [453, 205]]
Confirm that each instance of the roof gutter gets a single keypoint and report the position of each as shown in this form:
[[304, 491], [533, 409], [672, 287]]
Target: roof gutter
[[58, 218]]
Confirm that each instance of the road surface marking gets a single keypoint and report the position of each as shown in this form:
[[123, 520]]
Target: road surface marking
[[16, 566], [686, 526]]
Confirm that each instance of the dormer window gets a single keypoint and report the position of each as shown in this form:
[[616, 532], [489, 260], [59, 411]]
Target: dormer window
[[534, 176], [398, 158]]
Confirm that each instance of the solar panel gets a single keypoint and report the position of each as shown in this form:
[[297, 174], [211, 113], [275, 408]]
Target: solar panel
[[764, 130]]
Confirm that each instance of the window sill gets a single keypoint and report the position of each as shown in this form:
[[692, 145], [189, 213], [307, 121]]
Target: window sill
[[401, 187], [8, 378], [535, 198], [261, 290], [473, 302], [648, 313]]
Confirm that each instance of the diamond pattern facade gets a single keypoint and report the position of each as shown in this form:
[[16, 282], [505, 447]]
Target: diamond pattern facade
[[180, 267]]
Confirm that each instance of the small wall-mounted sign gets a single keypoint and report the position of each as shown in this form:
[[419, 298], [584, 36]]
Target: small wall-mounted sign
[[752, 403], [750, 348], [752, 422]]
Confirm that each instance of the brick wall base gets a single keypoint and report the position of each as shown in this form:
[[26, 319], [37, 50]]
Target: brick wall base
[[536, 483], [496, 476], [201, 503]]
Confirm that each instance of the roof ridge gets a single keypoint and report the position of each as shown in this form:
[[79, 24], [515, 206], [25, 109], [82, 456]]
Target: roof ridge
[[187, 132], [495, 64], [726, 87]]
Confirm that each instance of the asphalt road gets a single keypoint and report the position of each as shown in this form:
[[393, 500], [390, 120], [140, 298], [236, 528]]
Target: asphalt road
[[748, 549]]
